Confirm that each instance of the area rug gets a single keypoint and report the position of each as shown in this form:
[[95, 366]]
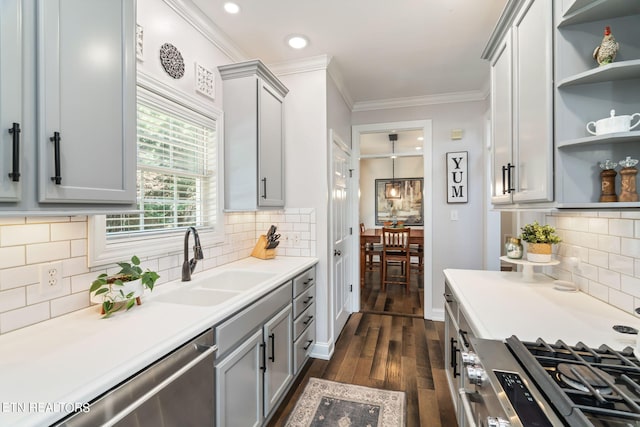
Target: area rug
[[330, 404]]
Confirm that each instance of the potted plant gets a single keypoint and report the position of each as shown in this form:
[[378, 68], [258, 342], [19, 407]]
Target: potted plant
[[539, 239], [123, 289]]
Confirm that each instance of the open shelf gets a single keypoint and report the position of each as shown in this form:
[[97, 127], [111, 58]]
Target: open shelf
[[596, 10], [622, 70], [601, 139]]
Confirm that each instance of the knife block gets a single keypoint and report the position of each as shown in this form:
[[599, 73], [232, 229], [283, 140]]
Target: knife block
[[260, 251]]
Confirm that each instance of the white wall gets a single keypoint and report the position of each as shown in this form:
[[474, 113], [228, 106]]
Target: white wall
[[456, 244]]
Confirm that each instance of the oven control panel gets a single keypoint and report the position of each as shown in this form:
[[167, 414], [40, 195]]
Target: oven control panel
[[521, 399]]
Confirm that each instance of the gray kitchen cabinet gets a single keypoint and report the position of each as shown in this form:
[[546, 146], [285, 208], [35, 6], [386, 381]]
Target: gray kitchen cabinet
[[520, 54], [11, 72], [75, 102], [254, 137], [254, 368], [587, 92]]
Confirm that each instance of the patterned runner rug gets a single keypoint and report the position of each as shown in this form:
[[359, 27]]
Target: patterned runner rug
[[326, 403]]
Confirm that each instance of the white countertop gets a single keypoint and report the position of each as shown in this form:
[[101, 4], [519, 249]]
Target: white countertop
[[73, 358], [500, 304]]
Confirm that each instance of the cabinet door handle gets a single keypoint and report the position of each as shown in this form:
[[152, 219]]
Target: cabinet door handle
[[453, 350], [509, 180], [272, 338], [306, 347], [263, 348], [15, 173], [264, 187], [56, 156], [504, 179], [309, 319]]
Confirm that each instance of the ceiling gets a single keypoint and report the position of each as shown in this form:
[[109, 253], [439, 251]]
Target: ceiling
[[383, 49]]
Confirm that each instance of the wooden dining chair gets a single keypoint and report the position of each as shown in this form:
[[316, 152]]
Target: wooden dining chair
[[370, 250], [396, 249]]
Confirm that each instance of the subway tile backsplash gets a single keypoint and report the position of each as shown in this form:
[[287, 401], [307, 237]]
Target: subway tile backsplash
[[607, 243], [27, 243]]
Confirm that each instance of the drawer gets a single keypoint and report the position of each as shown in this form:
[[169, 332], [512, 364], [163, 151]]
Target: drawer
[[302, 347], [304, 281], [304, 300], [236, 328], [304, 320]]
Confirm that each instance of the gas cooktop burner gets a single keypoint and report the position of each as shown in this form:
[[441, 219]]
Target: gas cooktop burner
[[581, 377]]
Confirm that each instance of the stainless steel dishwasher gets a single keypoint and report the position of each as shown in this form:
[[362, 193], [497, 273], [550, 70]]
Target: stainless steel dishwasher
[[177, 390]]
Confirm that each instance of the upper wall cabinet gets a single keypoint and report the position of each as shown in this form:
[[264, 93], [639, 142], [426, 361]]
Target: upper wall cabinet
[[254, 137], [10, 100], [587, 92], [68, 81], [520, 53]]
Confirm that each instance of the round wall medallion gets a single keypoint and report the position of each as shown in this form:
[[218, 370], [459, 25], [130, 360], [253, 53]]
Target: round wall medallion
[[172, 61]]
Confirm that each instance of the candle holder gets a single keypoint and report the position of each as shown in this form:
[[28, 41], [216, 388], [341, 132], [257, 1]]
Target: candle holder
[[628, 174], [608, 181]]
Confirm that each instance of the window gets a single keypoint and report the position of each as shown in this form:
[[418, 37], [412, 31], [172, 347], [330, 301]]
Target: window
[[177, 181]]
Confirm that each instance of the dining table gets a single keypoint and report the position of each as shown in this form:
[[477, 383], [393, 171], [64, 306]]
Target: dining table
[[374, 235]]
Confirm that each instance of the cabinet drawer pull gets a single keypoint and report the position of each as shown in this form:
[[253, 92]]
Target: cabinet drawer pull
[[309, 298], [306, 347], [15, 173], [272, 338], [56, 156], [309, 280], [309, 319], [264, 187]]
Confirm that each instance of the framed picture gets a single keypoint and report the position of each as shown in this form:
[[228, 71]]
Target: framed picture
[[457, 177], [404, 203]]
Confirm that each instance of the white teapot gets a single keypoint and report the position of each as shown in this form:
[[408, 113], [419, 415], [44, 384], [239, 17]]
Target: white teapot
[[613, 124]]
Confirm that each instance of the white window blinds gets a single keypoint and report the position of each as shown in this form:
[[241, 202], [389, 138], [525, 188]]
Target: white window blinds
[[177, 157]]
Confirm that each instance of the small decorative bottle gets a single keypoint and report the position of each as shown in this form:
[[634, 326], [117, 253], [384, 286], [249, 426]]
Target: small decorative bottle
[[513, 248], [628, 176], [608, 181]]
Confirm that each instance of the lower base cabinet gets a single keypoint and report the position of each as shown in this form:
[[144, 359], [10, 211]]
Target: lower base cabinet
[[255, 367]]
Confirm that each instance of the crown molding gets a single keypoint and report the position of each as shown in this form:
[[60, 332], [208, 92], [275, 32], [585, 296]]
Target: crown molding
[[196, 18], [418, 101], [315, 63]]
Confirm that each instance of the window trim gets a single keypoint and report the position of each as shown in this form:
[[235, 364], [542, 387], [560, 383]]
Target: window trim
[[103, 251]]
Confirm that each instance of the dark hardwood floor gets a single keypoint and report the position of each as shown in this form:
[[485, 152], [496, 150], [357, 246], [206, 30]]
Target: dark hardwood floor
[[387, 345]]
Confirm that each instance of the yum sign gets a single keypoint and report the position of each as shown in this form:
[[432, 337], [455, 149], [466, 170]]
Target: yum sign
[[457, 177]]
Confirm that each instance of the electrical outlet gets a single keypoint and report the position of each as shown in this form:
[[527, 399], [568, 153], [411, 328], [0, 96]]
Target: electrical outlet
[[50, 276], [295, 239]]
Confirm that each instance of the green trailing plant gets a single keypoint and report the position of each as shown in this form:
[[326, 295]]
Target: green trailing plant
[[111, 287], [536, 233]]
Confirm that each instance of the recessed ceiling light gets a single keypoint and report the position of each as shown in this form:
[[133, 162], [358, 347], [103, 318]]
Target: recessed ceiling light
[[297, 41], [418, 148], [421, 138], [232, 8]]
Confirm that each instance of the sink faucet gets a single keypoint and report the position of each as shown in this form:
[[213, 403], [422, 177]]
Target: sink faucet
[[190, 264]]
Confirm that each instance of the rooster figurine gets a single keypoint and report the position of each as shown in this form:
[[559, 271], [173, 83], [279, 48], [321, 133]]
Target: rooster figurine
[[606, 52]]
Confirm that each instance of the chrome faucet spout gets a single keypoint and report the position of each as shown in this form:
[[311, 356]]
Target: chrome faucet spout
[[190, 264]]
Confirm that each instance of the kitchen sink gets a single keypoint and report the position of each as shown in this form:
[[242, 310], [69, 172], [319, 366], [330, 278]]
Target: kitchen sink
[[196, 296], [235, 280], [215, 289]]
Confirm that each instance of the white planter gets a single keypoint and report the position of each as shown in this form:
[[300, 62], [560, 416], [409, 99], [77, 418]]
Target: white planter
[[539, 252]]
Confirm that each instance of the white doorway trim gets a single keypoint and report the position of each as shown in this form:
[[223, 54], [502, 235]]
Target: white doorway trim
[[427, 197]]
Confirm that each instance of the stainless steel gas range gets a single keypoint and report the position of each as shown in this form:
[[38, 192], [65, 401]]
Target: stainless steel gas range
[[511, 383], [540, 384]]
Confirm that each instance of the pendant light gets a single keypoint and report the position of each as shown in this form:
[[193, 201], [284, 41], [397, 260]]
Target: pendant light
[[392, 189]]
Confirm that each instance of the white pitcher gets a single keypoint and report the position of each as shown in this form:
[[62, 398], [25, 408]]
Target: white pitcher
[[613, 124]]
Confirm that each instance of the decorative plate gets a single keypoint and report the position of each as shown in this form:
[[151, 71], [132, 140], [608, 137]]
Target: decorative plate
[[172, 61]]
